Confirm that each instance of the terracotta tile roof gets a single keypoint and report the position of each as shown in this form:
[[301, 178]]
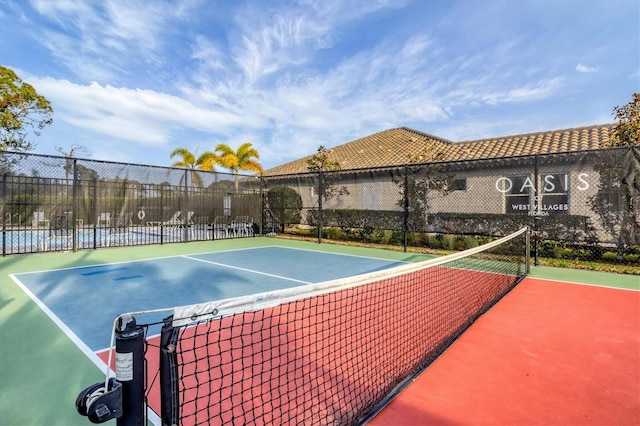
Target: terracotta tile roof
[[404, 145]]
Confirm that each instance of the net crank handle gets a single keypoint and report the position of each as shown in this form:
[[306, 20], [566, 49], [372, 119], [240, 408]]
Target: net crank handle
[[100, 404]]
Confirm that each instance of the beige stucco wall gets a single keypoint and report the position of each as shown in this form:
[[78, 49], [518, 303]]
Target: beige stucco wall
[[482, 194]]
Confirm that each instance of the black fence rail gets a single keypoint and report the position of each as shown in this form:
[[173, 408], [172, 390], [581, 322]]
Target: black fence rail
[[56, 204], [582, 206]]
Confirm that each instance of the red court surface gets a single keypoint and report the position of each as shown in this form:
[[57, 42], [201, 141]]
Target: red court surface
[[318, 360], [549, 353]]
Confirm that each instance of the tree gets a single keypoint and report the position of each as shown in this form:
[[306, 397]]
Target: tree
[[69, 156], [285, 205], [21, 109], [627, 131], [241, 159], [86, 174], [320, 163], [618, 197], [206, 161], [422, 184]]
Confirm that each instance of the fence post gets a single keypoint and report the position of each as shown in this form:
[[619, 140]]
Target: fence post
[[263, 205], [185, 228], [74, 203], [320, 196], [536, 218], [527, 251], [4, 213], [94, 190], [161, 214], [405, 224]]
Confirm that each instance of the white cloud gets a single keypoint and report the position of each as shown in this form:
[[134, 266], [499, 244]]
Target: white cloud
[[288, 76], [141, 116], [488, 89], [585, 68], [539, 90], [98, 40], [415, 46], [391, 84], [268, 43]]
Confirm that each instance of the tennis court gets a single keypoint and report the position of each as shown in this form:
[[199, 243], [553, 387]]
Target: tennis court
[[83, 292], [85, 300], [549, 353]]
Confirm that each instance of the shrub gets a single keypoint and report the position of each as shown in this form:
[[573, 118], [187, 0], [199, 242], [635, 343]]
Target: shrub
[[610, 256]]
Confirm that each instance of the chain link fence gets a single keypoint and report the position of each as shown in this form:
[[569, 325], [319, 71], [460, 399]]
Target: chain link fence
[[54, 203], [582, 206]]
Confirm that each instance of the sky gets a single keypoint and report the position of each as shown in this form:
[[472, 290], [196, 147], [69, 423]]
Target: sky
[[131, 81]]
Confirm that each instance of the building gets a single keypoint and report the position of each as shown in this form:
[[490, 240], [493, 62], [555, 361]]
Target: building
[[560, 177]]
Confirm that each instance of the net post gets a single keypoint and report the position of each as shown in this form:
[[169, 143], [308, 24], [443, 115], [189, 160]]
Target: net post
[[169, 402], [130, 370]]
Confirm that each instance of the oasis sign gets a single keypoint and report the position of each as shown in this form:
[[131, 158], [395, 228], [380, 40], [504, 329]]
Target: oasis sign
[[550, 197]]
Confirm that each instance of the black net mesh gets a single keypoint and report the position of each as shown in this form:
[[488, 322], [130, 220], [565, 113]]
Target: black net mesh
[[333, 357]]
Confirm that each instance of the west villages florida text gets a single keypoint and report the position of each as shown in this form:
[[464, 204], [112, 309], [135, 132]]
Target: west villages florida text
[[552, 197]]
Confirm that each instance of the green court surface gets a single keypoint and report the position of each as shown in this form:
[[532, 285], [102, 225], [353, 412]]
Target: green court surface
[[43, 371]]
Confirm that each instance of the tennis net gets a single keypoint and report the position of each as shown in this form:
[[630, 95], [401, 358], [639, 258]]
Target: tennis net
[[331, 353]]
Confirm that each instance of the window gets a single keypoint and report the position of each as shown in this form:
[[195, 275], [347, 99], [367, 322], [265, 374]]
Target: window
[[555, 194], [458, 184], [226, 205], [550, 196], [372, 196], [517, 190]]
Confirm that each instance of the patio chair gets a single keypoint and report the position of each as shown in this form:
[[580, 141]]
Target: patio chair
[[119, 231], [220, 227], [11, 221], [103, 220], [175, 219], [189, 219], [242, 226], [39, 220], [187, 222], [59, 235]]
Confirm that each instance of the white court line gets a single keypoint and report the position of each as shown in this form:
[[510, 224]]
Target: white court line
[[224, 265], [97, 265], [612, 287], [79, 343], [346, 254], [152, 415]]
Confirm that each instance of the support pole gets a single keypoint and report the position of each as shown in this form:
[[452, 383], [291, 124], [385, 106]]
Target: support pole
[[130, 370]]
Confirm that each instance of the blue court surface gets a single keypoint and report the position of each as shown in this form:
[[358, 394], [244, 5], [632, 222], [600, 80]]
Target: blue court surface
[[84, 301]]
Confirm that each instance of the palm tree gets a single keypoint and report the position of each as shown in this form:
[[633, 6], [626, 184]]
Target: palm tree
[[206, 161], [242, 159]]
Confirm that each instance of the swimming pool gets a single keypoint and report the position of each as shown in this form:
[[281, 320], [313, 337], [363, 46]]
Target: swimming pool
[[28, 240]]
